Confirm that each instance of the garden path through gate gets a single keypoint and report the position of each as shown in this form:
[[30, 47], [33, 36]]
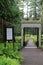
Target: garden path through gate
[[31, 25]]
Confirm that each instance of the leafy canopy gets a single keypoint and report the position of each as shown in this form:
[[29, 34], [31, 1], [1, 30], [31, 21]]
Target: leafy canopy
[[9, 10]]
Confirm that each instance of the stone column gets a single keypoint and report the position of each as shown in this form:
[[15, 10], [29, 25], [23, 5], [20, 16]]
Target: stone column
[[39, 36], [21, 36]]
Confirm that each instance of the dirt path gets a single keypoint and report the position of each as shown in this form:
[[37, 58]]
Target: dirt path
[[32, 56]]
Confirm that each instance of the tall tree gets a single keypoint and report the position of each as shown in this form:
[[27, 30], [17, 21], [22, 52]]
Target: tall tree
[[9, 10]]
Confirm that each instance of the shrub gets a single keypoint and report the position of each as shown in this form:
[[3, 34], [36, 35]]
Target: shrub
[[12, 54], [8, 61], [17, 46], [18, 38]]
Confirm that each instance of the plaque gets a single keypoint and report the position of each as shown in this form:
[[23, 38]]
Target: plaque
[[9, 33]]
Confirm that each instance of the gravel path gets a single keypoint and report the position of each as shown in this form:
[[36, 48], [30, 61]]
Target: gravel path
[[31, 44], [32, 56]]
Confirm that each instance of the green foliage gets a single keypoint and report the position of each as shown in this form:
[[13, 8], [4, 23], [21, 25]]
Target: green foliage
[[16, 46], [17, 29], [18, 39], [35, 9], [34, 38], [9, 10], [8, 61], [12, 54]]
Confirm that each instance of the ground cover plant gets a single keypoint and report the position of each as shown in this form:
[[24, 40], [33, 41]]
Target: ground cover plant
[[10, 55], [8, 61]]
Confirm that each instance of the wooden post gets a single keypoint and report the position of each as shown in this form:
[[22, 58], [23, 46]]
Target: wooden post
[[21, 36], [37, 37], [13, 37]]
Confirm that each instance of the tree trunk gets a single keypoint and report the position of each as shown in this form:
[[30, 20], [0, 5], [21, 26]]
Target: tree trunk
[[3, 30]]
